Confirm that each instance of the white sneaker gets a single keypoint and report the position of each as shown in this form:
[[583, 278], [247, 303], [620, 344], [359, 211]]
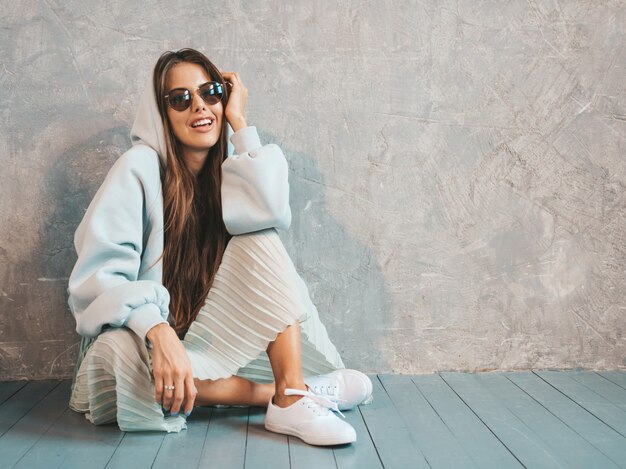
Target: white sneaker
[[348, 388], [310, 419]]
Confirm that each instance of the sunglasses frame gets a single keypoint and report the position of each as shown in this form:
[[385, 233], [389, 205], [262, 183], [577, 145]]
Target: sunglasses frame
[[217, 85]]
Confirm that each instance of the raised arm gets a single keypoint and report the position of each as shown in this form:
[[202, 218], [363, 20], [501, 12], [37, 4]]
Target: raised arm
[[255, 186]]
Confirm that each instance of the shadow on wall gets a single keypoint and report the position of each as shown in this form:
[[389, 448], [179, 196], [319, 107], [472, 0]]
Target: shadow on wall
[[69, 186], [342, 274]]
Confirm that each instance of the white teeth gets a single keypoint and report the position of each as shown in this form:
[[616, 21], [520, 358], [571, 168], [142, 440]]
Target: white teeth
[[201, 122]]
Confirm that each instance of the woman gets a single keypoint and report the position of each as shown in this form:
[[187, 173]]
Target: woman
[[183, 291]]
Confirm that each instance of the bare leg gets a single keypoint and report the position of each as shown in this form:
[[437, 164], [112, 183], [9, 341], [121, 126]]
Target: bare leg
[[284, 355], [286, 361], [232, 391]]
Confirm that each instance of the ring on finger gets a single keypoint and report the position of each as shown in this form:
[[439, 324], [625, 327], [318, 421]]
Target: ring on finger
[[171, 388]]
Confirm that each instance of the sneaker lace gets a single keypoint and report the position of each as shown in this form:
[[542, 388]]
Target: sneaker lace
[[330, 391], [318, 399], [326, 390]]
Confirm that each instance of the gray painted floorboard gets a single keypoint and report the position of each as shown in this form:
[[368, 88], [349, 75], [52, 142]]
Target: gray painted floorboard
[[8, 388], [361, 454], [137, 450], [528, 419], [492, 409], [604, 385], [185, 446], [16, 406], [389, 433], [27, 431], [478, 440], [608, 444], [225, 444], [434, 438]]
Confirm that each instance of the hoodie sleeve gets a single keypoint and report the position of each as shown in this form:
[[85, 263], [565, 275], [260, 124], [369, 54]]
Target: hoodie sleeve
[[255, 186], [103, 286]]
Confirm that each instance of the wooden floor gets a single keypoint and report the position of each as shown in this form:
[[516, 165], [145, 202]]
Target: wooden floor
[[529, 419]]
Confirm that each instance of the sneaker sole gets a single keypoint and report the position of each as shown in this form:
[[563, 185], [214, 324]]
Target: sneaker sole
[[315, 440]]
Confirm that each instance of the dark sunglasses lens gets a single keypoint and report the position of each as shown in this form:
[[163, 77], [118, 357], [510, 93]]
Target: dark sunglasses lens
[[179, 100], [211, 92]]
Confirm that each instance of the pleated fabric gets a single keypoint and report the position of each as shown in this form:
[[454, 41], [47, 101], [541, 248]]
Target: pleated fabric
[[114, 383], [255, 295]]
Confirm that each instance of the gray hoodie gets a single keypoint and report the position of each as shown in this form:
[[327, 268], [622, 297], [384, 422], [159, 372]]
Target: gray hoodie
[[114, 282]]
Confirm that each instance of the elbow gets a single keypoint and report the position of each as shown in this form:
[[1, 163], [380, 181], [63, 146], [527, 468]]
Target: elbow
[[86, 331]]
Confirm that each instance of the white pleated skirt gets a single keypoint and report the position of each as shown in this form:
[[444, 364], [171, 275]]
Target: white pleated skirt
[[255, 295]]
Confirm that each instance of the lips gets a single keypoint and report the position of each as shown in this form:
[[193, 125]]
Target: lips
[[202, 121], [202, 125]]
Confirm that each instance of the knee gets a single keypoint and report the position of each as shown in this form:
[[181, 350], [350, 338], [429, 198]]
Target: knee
[[118, 343], [254, 237], [267, 241]]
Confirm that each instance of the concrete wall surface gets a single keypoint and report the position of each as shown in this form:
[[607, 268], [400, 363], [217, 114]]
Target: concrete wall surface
[[457, 168]]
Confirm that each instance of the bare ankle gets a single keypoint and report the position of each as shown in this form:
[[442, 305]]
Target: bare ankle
[[296, 383], [282, 400], [285, 401]]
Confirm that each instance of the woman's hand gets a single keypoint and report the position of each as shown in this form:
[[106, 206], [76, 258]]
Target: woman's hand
[[238, 94], [171, 366]]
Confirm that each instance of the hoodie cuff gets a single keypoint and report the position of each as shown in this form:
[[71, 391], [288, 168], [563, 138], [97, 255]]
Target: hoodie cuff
[[144, 318], [245, 139]]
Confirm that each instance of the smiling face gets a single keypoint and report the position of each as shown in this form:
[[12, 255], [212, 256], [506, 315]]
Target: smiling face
[[195, 139]]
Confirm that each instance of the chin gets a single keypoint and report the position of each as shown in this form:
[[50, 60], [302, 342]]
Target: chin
[[203, 144]]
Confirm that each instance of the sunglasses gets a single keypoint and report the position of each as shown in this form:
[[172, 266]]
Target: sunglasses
[[180, 99]]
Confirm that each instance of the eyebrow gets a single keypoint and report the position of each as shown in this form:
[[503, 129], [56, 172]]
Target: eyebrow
[[183, 88]]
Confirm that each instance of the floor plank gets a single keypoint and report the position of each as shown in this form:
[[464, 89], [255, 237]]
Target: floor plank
[[536, 419], [185, 446], [8, 388], [482, 446], [225, 443], [593, 402], [389, 433], [137, 450], [434, 438], [610, 446], [305, 456], [16, 442], [601, 385], [571, 448], [492, 409], [264, 448], [361, 454], [22, 401], [617, 377], [72, 442]]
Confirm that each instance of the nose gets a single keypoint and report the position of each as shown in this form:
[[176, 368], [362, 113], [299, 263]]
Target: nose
[[197, 103]]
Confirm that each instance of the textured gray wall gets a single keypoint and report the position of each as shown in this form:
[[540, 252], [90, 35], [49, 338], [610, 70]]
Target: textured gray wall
[[457, 167]]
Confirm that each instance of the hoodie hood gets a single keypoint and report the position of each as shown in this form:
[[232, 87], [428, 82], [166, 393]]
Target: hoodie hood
[[148, 128]]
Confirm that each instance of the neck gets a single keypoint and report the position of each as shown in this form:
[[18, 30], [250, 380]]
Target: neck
[[195, 160]]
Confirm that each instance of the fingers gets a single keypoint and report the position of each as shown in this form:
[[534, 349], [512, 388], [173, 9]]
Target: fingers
[[168, 394], [179, 395], [158, 387], [233, 76], [173, 376], [184, 391], [190, 393], [238, 95], [234, 79]]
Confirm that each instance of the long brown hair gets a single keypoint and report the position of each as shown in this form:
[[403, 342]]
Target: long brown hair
[[194, 233]]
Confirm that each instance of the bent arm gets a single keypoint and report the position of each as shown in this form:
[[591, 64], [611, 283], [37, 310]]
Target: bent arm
[[103, 287], [255, 185]]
